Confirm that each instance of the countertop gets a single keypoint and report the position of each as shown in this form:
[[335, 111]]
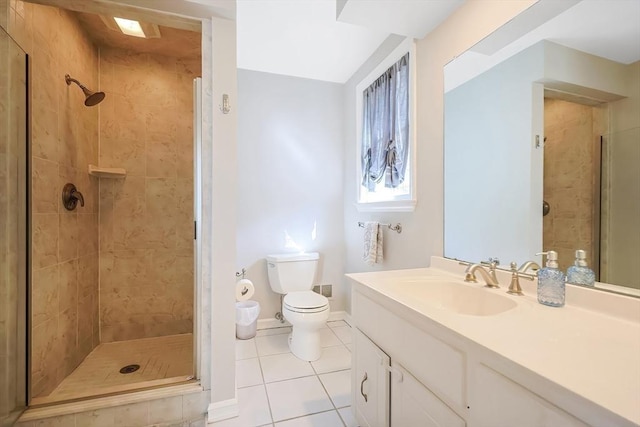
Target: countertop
[[586, 349]]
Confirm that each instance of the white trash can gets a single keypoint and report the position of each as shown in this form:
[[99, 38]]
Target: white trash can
[[247, 313]]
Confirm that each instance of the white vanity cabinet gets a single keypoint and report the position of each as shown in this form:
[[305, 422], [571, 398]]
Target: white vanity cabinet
[[439, 379], [370, 383]]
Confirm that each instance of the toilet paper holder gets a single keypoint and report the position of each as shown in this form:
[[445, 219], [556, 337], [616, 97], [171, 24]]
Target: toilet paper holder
[[241, 275]]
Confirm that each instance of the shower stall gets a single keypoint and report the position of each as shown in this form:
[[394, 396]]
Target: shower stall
[[102, 294]]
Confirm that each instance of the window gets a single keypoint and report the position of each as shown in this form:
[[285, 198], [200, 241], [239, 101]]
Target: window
[[385, 134]]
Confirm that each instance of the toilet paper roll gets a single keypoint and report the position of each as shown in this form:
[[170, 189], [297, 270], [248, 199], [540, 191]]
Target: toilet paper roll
[[244, 289]]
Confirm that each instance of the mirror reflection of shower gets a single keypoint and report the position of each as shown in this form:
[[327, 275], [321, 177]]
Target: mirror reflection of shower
[[91, 98]]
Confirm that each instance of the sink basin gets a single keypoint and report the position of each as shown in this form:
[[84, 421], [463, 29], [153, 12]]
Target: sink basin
[[457, 297]]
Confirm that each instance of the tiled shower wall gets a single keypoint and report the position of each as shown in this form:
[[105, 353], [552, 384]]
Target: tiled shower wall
[[146, 219], [64, 141], [572, 133]]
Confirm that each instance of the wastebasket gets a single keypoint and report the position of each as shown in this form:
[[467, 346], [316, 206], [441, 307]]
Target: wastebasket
[[247, 313]]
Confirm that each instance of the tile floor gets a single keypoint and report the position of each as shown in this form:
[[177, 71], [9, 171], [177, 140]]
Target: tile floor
[[277, 389]]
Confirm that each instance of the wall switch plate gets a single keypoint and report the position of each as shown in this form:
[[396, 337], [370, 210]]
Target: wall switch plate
[[316, 289], [326, 290]]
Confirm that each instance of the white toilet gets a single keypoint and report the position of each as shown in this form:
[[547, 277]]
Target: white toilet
[[307, 311]]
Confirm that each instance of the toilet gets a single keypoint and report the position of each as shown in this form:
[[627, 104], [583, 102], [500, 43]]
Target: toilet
[[307, 311]]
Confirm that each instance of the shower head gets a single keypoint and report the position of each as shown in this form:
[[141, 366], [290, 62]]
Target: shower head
[[91, 98]]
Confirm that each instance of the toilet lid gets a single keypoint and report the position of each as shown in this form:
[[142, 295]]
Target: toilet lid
[[305, 300]]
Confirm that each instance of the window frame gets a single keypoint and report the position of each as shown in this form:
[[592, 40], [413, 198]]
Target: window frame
[[397, 203]]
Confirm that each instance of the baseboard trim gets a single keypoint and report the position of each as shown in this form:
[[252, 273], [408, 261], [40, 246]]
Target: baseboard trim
[[337, 315], [273, 323], [223, 410]]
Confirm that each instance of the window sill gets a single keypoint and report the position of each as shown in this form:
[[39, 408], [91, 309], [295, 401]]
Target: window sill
[[389, 206]]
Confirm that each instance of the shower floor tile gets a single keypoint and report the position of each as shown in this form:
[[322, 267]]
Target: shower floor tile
[[162, 360]]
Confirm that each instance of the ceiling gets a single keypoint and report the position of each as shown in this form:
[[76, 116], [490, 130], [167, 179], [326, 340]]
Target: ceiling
[[606, 28], [327, 39], [316, 39]]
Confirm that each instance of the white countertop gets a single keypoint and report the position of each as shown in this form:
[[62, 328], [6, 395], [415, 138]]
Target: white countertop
[[586, 349]]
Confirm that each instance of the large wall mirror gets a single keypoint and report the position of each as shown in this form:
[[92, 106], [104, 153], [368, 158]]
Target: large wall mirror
[[542, 140]]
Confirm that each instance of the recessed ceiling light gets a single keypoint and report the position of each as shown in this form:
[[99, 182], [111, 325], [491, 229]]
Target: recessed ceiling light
[[130, 27]]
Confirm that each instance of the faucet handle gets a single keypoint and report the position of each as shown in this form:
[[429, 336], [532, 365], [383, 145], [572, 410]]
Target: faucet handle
[[514, 286], [491, 262]]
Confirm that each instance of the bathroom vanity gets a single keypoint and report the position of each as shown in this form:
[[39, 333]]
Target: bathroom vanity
[[430, 349]]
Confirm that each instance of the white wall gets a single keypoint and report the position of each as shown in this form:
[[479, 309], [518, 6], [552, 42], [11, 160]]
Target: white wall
[[422, 234], [265, 209], [289, 177], [395, 245], [218, 220]]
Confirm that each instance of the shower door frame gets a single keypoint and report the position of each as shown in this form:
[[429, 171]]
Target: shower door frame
[[197, 216], [22, 366]]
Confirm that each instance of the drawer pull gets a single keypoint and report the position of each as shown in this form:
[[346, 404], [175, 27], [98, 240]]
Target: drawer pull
[[362, 387]]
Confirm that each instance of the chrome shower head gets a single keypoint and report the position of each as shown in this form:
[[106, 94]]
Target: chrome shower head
[[91, 98]]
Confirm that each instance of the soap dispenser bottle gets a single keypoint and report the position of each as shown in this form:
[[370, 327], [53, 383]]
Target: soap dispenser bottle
[[580, 273], [551, 281]]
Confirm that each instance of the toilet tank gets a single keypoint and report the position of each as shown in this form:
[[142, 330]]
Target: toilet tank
[[292, 272]]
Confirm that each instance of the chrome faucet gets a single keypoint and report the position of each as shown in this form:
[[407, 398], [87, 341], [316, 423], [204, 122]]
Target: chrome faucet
[[489, 276]]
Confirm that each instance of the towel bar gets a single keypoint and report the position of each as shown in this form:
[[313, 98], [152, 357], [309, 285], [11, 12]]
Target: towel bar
[[397, 228]]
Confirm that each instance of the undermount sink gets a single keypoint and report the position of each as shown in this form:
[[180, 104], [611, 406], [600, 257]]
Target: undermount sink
[[458, 297]]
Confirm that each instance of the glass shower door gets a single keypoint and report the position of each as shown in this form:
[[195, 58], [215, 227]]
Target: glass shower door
[[13, 229]]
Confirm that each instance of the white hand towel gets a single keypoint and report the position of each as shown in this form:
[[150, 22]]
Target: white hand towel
[[372, 243]]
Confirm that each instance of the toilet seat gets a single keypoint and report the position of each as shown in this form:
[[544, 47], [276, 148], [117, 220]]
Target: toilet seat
[[306, 302]]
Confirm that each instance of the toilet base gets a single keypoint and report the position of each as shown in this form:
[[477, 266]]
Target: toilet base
[[305, 344]]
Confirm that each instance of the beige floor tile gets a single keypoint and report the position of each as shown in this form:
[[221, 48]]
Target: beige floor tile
[[161, 360]]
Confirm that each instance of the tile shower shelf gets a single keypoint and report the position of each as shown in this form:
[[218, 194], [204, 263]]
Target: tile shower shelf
[[101, 172]]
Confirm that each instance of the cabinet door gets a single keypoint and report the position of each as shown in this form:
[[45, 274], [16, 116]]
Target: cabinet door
[[498, 401], [369, 383], [412, 404]]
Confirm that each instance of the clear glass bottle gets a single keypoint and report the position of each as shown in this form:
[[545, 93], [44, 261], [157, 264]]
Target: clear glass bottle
[[580, 273], [551, 281]]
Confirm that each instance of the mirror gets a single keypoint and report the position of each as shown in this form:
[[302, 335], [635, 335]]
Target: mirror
[[552, 116]]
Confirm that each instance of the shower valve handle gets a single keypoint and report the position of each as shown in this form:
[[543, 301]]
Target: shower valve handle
[[71, 196]]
